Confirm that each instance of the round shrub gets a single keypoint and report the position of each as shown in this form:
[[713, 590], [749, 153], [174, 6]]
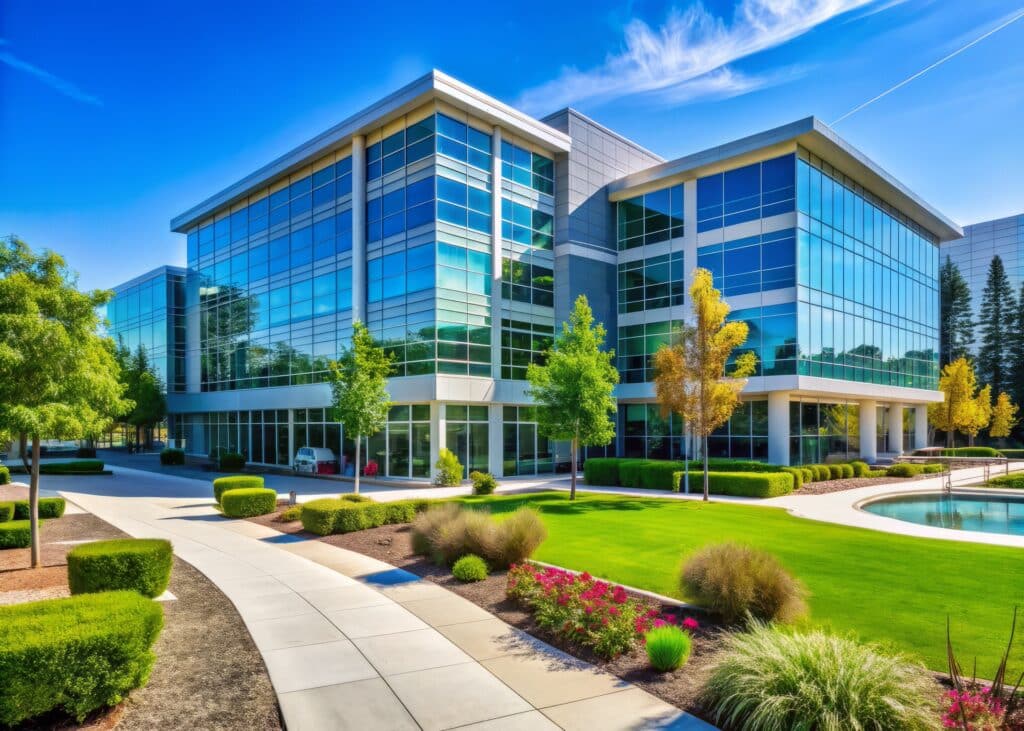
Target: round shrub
[[835, 471], [290, 514], [5, 475], [137, 564], [904, 469], [798, 476], [860, 468], [821, 472], [231, 461], [774, 679], [172, 456], [470, 568], [668, 648], [234, 482], [932, 469], [50, 508], [483, 482], [15, 534], [318, 515], [6, 512], [248, 502], [733, 580], [75, 655], [449, 469], [846, 471], [808, 474]]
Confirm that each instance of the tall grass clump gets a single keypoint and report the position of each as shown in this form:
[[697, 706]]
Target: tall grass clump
[[448, 532], [668, 647]]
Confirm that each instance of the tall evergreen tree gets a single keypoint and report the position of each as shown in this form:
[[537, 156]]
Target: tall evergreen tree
[[956, 328], [997, 306], [1016, 389]]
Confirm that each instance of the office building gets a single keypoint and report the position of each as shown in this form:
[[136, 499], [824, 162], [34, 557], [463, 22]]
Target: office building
[[981, 242]]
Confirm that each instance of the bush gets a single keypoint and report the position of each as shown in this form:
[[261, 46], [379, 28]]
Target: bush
[[349, 513], [1015, 482], [5, 475], [172, 456], [449, 469], [971, 452], [846, 470], [808, 474], [86, 452], [629, 472], [483, 483], [75, 655], [798, 476], [449, 532], [601, 471], [743, 484], [904, 469], [860, 469], [821, 472], [877, 473], [518, 536], [234, 482], [772, 679], [470, 568], [231, 462], [15, 534], [290, 514], [657, 475], [932, 469], [6, 512], [835, 472], [355, 497], [247, 502], [428, 523], [79, 466], [136, 564], [734, 581], [50, 508], [668, 648]]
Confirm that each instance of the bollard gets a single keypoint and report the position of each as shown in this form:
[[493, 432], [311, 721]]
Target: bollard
[[291, 497]]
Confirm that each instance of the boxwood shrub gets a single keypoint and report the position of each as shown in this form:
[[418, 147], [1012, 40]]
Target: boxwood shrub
[[629, 472], [904, 469], [821, 472], [15, 534], [6, 512], [76, 466], [798, 476], [601, 471], [657, 475], [846, 470], [234, 482], [860, 468], [808, 474], [231, 461], [172, 456], [742, 484], [933, 469], [971, 452], [136, 564], [5, 475], [49, 508], [75, 655], [327, 516], [246, 502]]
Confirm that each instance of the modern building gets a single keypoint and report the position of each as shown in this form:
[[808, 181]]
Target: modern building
[[981, 242], [461, 230]]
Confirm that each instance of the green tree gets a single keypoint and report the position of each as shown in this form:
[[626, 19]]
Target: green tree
[[1016, 385], [956, 326], [359, 388], [690, 375], [58, 376], [144, 389], [997, 306], [573, 389]]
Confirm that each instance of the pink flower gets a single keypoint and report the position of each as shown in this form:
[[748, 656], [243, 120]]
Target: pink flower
[[690, 623]]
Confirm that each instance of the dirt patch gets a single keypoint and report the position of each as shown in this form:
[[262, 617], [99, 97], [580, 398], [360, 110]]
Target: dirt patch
[[57, 537], [13, 492]]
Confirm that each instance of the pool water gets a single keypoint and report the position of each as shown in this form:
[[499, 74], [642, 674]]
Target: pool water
[[959, 511]]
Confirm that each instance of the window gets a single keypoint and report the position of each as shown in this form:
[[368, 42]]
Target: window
[[639, 343], [650, 218], [527, 168], [648, 284], [745, 194], [523, 281], [526, 226], [752, 264], [523, 343]]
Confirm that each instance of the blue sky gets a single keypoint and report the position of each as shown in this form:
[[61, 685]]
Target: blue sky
[[116, 117]]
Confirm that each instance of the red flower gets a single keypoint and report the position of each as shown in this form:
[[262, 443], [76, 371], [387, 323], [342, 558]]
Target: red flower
[[690, 623]]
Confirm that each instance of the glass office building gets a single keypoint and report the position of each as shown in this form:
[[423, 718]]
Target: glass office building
[[461, 230], [981, 242]]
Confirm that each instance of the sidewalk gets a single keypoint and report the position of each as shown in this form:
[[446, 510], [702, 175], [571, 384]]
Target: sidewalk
[[351, 642]]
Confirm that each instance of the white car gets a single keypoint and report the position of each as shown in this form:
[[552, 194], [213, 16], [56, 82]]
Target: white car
[[315, 461]]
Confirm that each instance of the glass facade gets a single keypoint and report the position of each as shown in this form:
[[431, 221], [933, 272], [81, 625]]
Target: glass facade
[[744, 194], [402, 449], [650, 218], [753, 264], [771, 337], [467, 435], [525, 451], [637, 346], [649, 284], [745, 435], [646, 433]]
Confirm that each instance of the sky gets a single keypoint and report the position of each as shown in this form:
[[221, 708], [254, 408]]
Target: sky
[[115, 117]]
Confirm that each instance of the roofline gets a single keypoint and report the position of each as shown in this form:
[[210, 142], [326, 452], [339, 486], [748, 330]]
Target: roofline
[[118, 288], [432, 85], [591, 121], [818, 138]]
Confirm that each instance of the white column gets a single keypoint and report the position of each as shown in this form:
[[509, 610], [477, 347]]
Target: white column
[[868, 422], [778, 427], [920, 426], [291, 435], [896, 428], [359, 228], [438, 431], [495, 256], [496, 442]]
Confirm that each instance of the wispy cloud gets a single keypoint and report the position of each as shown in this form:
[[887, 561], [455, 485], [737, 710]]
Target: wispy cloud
[[65, 87], [688, 57]]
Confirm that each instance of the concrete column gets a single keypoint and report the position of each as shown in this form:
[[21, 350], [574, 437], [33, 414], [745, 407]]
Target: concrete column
[[778, 427], [291, 436], [359, 228], [896, 428], [495, 258], [438, 434], [496, 441], [920, 426], [868, 431]]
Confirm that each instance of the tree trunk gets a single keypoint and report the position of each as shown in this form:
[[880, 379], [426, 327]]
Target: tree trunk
[[704, 456], [33, 502], [358, 443], [23, 448], [572, 473]]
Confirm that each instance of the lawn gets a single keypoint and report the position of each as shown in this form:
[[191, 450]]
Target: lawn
[[885, 588]]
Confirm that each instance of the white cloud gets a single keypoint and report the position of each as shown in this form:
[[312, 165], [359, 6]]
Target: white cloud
[[688, 56], [55, 82]]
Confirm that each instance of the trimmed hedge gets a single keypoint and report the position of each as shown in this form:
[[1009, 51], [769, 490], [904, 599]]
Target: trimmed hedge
[[15, 534], [835, 471], [629, 472], [972, 452], [821, 472], [933, 469], [846, 471], [49, 508], [742, 484], [235, 482], [328, 516], [860, 468], [798, 476], [1015, 482], [78, 466], [246, 502], [656, 474], [75, 655], [601, 471], [905, 469], [231, 461], [877, 473], [5, 475], [172, 456], [135, 564], [808, 474], [6, 512], [1013, 453]]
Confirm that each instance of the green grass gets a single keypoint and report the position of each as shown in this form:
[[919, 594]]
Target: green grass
[[885, 588]]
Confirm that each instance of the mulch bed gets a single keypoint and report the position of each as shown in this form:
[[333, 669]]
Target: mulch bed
[[830, 486], [208, 672]]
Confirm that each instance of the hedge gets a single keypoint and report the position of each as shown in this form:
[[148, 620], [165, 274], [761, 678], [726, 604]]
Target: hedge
[[327, 516], [246, 502], [136, 564], [798, 476], [171, 456], [15, 534], [601, 471], [6, 512], [821, 472], [1013, 453], [1015, 482], [86, 466], [235, 482], [933, 469], [860, 468], [5, 475], [743, 484], [808, 474], [657, 474], [904, 469], [49, 508], [75, 655], [971, 452], [629, 472], [231, 461]]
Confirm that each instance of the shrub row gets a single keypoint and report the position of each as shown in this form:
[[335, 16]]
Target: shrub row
[[657, 474], [6, 512], [741, 484], [450, 531], [172, 456], [5, 475], [328, 516], [909, 469], [136, 564], [75, 655], [49, 508], [15, 534], [247, 502], [971, 452], [78, 466], [234, 482], [1013, 481]]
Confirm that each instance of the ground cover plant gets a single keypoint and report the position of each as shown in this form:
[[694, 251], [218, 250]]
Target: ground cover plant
[[138, 564]]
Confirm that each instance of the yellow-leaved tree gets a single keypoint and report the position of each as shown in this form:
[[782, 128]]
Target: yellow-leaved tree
[[981, 414], [956, 412], [1004, 417], [690, 374]]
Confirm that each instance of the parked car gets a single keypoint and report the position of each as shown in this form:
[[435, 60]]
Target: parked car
[[315, 461]]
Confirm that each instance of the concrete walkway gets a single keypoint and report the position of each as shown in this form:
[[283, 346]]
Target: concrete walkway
[[352, 642]]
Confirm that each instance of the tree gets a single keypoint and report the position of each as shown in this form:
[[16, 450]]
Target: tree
[[58, 376], [997, 306], [981, 414], [1004, 417], [690, 375], [573, 389], [956, 412], [143, 388], [359, 388], [956, 327], [1016, 390]]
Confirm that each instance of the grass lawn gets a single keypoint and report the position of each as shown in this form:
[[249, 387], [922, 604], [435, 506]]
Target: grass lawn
[[885, 588]]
